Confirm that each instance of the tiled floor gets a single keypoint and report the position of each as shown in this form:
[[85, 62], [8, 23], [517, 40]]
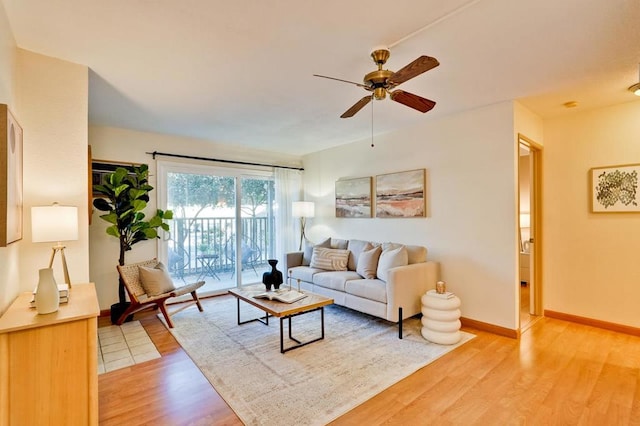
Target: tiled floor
[[122, 346]]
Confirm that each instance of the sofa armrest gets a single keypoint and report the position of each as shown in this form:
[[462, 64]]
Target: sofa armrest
[[293, 259], [407, 284]]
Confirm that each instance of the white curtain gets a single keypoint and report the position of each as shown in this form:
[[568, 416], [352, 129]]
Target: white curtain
[[288, 184]]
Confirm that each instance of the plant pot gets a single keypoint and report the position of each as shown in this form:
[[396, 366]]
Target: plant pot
[[117, 309]]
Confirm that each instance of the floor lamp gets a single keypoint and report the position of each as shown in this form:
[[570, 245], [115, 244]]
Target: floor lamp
[[303, 210], [55, 223]]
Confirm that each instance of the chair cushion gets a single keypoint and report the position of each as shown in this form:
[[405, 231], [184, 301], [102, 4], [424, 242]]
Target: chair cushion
[[155, 280], [329, 259], [368, 262], [391, 258], [303, 273]]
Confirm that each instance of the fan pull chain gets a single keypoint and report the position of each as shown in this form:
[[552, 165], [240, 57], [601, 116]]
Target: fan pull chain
[[372, 102]]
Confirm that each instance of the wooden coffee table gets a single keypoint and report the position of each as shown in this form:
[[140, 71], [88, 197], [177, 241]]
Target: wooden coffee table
[[284, 311]]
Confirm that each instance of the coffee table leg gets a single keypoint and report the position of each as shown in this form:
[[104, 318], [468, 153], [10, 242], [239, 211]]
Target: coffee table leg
[[299, 343], [264, 319]]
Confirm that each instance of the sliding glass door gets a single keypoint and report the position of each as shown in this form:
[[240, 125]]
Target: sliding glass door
[[222, 230]]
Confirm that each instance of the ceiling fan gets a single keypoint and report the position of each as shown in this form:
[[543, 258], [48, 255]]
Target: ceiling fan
[[381, 82]]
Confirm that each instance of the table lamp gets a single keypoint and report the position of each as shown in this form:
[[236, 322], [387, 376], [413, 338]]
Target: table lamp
[[55, 223], [303, 210]]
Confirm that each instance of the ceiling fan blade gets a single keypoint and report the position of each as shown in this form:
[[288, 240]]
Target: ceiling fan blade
[[414, 101], [356, 107], [415, 68], [344, 81]]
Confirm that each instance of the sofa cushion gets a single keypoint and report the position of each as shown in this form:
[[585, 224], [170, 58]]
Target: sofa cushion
[[334, 279], [155, 280], [368, 289], [416, 254], [368, 262], [303, 273], [391, 258], [356, 247], [338, 243], [308, 250], [329, 259]]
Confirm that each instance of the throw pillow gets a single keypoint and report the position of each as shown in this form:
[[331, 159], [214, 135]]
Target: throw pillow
[[368, 263], [308, 251], [329, 259], [156, 280], [356, 247], [390, 259]]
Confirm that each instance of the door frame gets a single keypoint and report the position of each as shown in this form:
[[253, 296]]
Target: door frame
[[536, 208]]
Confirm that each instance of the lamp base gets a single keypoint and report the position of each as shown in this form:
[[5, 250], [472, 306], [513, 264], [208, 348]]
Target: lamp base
[[117, 309]]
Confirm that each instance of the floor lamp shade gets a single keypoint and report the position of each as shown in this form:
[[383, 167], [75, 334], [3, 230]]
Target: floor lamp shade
[[303, 209]]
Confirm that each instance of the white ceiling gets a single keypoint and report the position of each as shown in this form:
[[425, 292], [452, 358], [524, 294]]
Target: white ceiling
[[241, 71]]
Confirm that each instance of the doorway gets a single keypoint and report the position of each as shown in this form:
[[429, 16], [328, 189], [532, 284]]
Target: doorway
[[529, 226]]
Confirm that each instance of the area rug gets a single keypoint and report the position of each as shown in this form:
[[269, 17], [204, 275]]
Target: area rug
[[311, 385], [124, 345]]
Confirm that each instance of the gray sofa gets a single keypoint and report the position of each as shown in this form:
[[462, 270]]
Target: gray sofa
[[388, 285]]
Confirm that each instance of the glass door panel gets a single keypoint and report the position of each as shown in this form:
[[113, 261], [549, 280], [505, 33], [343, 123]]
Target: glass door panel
[[222, 230], [258, 239], [202, 229]]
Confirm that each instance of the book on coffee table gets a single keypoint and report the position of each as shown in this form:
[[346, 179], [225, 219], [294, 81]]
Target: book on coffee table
[[286, 296]]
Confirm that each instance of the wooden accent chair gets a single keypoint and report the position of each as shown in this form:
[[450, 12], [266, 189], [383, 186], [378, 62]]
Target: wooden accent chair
[[139, 300]]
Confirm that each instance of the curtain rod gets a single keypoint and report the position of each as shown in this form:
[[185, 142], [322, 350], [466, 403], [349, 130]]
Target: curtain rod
[[154, 153]]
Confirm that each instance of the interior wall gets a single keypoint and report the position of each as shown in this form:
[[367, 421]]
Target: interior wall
[[52, 98], [591, 266], [9, 256], [116, 144], [470, 228]]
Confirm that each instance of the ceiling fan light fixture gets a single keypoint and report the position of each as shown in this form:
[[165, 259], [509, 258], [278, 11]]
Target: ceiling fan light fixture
[[636, 87]]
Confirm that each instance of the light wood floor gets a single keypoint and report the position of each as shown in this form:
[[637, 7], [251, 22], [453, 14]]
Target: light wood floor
[[557, 373]]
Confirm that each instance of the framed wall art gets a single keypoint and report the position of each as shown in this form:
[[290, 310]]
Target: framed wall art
[[401, 194], [10, 178], [614, 189], [353, 197]]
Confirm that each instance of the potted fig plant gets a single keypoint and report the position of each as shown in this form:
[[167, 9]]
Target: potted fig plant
[[123, 195]]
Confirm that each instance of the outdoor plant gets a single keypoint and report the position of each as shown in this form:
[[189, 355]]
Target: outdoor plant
[[124, 195]]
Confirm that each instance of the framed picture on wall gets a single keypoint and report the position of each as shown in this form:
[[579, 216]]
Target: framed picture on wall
[[614, 189], [401, 194], [10, 178], [353, 197]]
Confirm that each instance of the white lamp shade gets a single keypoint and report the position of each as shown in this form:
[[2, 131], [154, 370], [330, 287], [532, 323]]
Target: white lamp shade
[[303, 209], [525, 220], [54, 223]]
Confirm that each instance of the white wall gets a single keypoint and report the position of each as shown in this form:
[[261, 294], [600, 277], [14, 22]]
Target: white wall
[[9, 274], [52, 98], [471, 202], [591, 266], [114, 144]]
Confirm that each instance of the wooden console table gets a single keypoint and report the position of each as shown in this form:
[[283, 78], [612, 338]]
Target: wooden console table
[[48, 363]]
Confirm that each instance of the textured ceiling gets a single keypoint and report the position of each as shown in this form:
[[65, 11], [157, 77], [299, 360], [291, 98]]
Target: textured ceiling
[[241, 71]]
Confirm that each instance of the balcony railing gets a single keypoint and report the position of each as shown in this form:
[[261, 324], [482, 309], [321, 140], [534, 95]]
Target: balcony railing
[[205, 244]]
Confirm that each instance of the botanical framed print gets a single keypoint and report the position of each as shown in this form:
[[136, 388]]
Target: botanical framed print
[[614, 189], [10, 178], [353, 197], [401, 194]]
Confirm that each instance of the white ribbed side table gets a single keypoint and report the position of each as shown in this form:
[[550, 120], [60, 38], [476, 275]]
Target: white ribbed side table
[[441, 318]]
